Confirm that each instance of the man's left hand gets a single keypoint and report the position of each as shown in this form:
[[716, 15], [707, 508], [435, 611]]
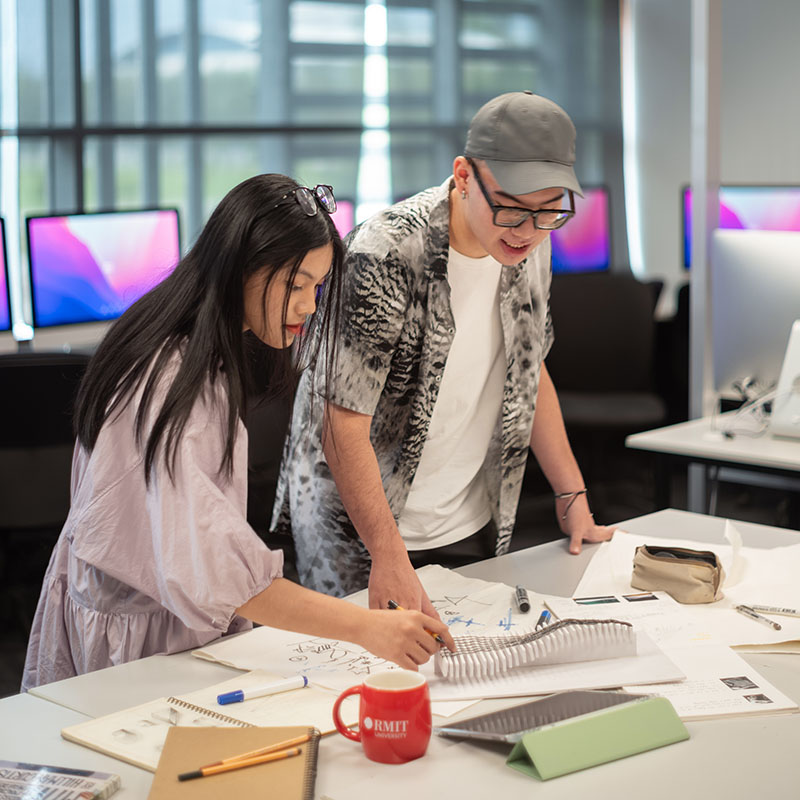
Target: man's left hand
[[581, 528]]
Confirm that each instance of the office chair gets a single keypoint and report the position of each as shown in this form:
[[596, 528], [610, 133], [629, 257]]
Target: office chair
[[603, 363], [36, 444], [673, 348]]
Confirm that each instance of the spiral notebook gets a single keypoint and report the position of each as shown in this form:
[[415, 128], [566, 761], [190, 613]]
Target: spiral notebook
[[187, 749], [137, 734]]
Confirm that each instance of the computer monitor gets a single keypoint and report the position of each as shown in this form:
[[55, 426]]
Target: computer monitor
[[584, 243], [344, 217], [5, 296], [757, 207], [91, 267], [785, 416], [755, 299]]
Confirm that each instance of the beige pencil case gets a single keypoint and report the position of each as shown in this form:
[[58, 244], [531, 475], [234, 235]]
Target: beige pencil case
[[688, 576]]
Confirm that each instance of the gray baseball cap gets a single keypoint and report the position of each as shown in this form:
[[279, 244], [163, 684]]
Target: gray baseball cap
[[527, 141]]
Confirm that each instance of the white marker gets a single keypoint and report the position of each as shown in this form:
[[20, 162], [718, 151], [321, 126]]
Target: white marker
[[286, 685]]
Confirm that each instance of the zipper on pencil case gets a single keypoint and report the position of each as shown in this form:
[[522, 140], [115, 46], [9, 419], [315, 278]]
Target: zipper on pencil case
[[677, 554]]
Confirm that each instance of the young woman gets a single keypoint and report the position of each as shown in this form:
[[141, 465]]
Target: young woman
[[156, 555]]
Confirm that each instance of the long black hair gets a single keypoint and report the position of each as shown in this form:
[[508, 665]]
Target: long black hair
[[198, 311]]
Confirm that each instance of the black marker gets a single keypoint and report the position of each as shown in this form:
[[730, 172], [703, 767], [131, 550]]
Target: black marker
[[521, 596]]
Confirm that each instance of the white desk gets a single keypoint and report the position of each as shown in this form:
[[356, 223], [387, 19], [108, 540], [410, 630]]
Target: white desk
[[709, 764], [30, 730], [700, 441], [98, 693]]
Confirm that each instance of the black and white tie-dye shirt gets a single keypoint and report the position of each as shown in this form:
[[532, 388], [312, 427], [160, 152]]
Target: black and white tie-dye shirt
[[395, 335]]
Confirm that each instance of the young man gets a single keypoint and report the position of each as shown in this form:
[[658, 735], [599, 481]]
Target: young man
[[418, 454]]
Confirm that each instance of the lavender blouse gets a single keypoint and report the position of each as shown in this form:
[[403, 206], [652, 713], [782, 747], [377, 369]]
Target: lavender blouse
[[141, 569]]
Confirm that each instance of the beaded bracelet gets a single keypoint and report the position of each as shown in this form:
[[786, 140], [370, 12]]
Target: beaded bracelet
[[573, 497]]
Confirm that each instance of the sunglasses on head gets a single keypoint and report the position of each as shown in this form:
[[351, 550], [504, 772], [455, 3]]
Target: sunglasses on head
[[321, 196]]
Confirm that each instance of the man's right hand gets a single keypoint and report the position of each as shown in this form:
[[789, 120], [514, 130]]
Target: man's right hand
[[395, 579], [354, 466]]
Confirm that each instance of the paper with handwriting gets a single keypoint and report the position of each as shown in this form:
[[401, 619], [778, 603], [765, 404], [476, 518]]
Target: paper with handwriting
[[468, 606]]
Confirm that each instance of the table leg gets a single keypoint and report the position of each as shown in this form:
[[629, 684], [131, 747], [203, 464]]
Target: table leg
[[662, 475], [696, 489]]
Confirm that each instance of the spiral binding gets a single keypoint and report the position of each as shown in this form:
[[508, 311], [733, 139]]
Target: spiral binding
[[310, 775], [207, 712]]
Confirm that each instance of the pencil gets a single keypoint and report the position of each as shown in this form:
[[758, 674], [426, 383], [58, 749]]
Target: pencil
[[204, 772], [261, 751], [394, 607]]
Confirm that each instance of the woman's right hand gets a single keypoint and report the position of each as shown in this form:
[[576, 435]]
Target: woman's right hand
[[404, 637], [399, 636]]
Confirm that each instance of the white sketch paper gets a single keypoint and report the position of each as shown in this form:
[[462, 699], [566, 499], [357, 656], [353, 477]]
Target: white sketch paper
[[719, 683], [764, 576], [467, 605]]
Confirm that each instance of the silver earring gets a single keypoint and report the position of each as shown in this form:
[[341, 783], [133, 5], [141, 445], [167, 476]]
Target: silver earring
[[464, 194]]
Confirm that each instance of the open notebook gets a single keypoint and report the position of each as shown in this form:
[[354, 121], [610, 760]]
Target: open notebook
[[137, 734]]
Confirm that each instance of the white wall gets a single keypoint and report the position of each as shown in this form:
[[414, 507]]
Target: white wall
[[760, 109]]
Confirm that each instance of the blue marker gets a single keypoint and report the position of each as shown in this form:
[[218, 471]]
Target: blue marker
[[239, 695], [544, 620]]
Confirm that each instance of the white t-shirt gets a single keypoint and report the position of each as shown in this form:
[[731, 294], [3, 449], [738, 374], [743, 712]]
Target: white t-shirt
[[448, 499]]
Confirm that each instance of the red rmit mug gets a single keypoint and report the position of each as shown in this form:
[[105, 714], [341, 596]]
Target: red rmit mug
[[394, 718]]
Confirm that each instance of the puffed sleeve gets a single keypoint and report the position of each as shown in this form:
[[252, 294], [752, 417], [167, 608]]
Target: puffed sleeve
[[373, 312], [186, 544]]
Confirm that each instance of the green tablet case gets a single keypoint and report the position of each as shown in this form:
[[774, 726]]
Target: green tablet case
[[596, 738]]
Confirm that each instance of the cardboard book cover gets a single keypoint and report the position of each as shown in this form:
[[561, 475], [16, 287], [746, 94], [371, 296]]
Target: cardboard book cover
[[186, 750]]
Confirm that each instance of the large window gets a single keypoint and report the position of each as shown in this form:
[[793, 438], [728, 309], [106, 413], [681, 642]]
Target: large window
[[123, 103]]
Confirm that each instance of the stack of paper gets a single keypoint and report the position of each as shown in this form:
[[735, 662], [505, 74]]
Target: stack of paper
[[753, 576], [698, 638], [718, 681]]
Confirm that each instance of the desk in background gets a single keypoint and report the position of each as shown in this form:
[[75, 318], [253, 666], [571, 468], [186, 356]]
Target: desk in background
[[735, 758], [762, 460]]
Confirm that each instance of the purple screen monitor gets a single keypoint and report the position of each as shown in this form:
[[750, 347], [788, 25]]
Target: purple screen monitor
[[344, 217], [91, 267], [584, 243], [761, 208], [5, 305]]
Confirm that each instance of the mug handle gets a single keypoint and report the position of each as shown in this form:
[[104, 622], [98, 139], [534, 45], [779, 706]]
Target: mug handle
[[337, 720]]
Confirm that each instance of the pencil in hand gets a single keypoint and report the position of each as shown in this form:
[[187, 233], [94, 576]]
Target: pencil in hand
[[394, 607], [204, 772]]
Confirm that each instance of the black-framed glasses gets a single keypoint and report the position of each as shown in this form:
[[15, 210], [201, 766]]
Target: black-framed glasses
[[545, 219], [321, 196]]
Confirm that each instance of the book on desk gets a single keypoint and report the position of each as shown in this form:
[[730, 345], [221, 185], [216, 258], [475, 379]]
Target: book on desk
[[22, 780]]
